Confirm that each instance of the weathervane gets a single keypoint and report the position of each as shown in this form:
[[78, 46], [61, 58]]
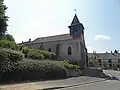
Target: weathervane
[[75, 11]]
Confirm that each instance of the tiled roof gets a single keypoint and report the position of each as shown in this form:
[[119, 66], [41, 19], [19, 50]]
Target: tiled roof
[[53, 38], [105, 55]]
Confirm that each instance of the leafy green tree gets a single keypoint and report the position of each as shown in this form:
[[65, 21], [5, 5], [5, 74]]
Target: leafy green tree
[[9, 37], [3, 18]]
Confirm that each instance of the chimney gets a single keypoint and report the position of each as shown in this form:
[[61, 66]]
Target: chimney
[[111, 51], [22, 41], [29, 40]]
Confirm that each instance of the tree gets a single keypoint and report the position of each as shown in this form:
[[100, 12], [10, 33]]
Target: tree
[[8, 37], [3, 18]]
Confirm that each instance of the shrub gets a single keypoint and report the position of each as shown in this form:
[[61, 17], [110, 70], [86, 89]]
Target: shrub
[[35, 55], [67, 65], [47, 55], [8, 44], [32, 69], [11, 55], [20, 47], [3, 56], [25, 50]]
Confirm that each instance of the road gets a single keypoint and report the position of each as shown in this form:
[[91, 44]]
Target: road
[[105, 85], [112, 72], [74, 83]]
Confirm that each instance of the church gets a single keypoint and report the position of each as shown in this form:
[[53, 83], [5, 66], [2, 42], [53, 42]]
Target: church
[[69, 46]]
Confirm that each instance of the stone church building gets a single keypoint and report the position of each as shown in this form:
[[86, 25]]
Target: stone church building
[[69, 46]]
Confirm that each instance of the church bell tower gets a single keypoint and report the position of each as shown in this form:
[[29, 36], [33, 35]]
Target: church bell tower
[[77, 31], [76, 28]]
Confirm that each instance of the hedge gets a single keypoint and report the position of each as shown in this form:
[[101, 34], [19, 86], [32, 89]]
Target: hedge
[[33, 70], [8, 44], [10, 55]]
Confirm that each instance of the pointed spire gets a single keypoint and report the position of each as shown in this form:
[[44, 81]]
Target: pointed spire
[[75, 20]]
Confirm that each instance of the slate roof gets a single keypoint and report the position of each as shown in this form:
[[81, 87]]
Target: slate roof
[[53, 38], [105, 55], [75, 20]]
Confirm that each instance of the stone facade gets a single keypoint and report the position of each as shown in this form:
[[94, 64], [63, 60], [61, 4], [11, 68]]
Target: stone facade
[[66, 46], [104, 60]]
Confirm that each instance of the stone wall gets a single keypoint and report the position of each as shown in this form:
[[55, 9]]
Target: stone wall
[[93, 72], [74, 73]]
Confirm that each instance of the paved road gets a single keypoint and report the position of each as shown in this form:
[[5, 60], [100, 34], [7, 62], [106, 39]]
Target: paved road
[[105, 85], [112, 72], [68, 82], [74, 81]]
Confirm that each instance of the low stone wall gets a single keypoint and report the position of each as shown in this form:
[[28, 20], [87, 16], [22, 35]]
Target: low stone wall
[[93, 72], [74, 73]]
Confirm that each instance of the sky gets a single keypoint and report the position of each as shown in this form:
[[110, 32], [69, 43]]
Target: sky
[[40, 18]]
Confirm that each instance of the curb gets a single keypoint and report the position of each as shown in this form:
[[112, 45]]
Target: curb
[[71, 85]]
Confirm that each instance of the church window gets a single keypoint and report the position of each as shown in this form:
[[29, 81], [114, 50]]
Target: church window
[[69, 50], [49, 50]]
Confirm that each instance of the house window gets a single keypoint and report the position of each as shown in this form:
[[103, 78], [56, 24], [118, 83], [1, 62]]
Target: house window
[[100, 65], [69, 50], [49, 50], [99, 60], [109, 61], [110, 65], [118, 60]]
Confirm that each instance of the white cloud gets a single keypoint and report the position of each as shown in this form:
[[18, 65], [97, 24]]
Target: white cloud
[[102, 37]]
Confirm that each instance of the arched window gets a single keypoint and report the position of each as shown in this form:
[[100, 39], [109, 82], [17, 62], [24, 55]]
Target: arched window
[[69, 50], [49, 50]]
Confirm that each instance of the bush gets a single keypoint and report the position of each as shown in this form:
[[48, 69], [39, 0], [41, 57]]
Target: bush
[[20, 47], [47, 54], [25, 50], [8, 44], [35, 55], [3, 56], [32, 70], [11, 55], [67, 65]]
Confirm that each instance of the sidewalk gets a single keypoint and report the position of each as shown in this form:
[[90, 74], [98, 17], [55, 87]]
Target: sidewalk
[[43, 85]]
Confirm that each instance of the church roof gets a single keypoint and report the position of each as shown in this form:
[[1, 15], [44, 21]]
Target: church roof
[[53, 38], [75, 20]]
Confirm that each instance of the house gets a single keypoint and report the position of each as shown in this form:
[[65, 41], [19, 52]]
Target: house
[[105, 60]]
